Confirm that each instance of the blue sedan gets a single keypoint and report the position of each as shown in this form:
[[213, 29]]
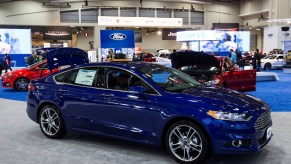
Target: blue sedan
[[149, 103]]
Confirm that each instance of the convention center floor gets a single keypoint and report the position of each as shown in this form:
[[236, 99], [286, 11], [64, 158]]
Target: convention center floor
[[22, 141]]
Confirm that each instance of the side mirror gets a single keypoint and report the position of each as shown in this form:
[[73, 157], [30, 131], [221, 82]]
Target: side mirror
[[138, 89]]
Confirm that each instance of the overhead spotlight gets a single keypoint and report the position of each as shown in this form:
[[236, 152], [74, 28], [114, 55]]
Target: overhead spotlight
[[250, 28], [159, 32]]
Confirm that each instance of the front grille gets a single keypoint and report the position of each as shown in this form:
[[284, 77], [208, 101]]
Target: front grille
[[263, 120]]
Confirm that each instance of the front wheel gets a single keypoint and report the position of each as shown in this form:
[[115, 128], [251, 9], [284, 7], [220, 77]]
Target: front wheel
[[267, 66], [21, 84], [186, 142], [51, 122]]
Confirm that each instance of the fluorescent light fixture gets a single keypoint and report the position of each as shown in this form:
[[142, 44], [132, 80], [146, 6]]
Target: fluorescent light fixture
[[258, 29]]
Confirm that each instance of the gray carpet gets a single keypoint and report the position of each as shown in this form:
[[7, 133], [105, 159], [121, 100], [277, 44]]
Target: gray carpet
[[22, 142]]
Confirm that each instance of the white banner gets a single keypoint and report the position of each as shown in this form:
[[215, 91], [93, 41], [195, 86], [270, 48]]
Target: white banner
[[139, 21]]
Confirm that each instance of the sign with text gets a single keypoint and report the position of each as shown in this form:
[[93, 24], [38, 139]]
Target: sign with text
[[225, 26], [170, 34], [139, 21], [217, 40], [57, 33], [117, 39]]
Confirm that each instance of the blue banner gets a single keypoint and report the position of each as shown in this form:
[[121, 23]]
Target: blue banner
[[117, 39]]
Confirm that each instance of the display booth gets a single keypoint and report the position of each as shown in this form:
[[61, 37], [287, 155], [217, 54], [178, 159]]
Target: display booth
[[215, 41], [16, 43], [117, 41]]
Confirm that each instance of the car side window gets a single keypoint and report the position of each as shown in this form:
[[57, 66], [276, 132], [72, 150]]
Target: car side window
[[121, 80], [82, 76], [280, 57]]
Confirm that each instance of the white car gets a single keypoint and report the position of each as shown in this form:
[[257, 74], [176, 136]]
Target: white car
[[272, 62], [163, 58]]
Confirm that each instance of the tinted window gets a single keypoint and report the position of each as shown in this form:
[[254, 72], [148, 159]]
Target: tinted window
[[122, 80], [280, 57]]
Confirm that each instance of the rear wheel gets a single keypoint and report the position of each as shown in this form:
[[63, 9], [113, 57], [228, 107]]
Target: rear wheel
[[267, 66], [186, 142], [21, 84], [51, 122]]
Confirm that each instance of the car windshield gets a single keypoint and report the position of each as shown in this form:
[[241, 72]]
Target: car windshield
[[194, 69], [169, 79], [271, 57], [32, 65], [119, 56]]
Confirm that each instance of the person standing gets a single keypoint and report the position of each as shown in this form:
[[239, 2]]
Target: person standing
[[258, 59], [173, 58], [8, 61], [239, 58], [233, 56]]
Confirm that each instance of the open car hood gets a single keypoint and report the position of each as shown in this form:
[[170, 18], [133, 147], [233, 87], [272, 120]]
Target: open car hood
[[189, 58], [66, 56]]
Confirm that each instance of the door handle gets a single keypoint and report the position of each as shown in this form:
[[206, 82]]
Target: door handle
[[63, 90], [107, 95]]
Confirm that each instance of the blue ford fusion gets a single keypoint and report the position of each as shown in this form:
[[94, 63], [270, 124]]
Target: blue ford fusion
[[149, 103]]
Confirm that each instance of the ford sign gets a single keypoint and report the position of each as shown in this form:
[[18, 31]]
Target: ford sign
[[117, 36]]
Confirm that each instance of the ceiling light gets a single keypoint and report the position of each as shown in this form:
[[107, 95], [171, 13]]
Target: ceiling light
[[250, 28], [159, 32], [258, 29]]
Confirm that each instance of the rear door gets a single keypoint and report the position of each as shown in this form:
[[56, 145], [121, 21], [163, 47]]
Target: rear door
[[241, 80], [77, 93]]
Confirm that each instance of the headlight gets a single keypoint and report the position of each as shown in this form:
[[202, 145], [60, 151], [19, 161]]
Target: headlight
[[212, 82], [228, 116], [9, 75]]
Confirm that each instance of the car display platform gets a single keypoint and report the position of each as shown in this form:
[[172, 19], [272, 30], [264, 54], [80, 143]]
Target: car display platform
[[267, 76]]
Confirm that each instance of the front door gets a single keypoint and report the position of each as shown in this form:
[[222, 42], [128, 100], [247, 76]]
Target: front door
[[126, 113], [241, 80]]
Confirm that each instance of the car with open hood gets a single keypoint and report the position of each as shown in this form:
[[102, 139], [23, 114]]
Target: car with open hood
[[19, 79], [151, 104], [219, 71]]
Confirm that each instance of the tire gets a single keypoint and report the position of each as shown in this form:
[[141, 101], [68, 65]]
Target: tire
[[184, 145], [21, 84], [51, 122], [267, 66]]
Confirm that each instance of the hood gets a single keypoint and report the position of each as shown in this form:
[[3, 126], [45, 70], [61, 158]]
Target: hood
[[225, 99], [66, 56], [188, 58]]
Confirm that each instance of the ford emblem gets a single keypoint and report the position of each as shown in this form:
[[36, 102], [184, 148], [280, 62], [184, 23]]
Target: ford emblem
[[117, 36]]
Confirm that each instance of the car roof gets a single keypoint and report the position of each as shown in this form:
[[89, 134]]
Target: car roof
[[127, 65]]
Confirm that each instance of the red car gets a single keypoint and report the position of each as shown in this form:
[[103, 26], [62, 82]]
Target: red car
[[146, 57], [19, 79], [217, 71], [56, 58]]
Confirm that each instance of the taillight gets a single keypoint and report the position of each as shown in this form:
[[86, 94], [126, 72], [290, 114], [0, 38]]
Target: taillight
[[31, 87]]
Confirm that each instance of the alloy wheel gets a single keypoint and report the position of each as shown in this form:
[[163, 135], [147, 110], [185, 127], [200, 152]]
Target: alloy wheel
[[185, 143], [50, 121], [21, 84]]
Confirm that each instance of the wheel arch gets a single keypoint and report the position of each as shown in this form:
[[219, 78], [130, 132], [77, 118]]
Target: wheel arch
[[183, 118], [22, 77], [41, 106]]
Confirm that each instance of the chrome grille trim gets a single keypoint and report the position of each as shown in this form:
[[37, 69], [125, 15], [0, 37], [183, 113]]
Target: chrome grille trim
[[263, 120]]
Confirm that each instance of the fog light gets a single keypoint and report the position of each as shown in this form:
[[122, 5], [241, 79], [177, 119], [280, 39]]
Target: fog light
[[236, 143]]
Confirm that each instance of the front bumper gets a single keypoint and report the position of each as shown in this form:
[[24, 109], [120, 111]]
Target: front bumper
[[250, 138], [7, 82]]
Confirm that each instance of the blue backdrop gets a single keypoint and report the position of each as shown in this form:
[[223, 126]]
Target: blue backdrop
[[117, 39]]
